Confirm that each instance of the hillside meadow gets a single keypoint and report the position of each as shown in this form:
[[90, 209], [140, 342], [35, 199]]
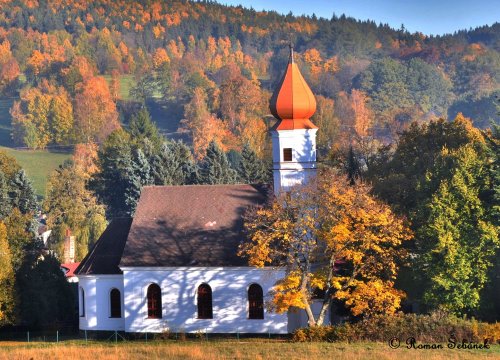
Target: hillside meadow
[[229, 349]]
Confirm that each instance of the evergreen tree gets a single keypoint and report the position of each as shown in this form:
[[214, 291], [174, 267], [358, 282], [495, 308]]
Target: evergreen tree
[[142, 127], [22, 194], [252, 170], [5, 206], [136, 175], [173, 165], [110, 182], [215, 167], [45, 296], [7, 279]]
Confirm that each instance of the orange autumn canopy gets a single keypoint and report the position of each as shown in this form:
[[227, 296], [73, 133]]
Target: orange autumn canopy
[[293, 101]]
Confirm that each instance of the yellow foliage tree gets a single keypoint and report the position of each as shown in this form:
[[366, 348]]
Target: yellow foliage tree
[[336, 242]]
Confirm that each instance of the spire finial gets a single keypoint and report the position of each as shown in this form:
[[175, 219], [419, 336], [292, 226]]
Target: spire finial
[[291, 52]]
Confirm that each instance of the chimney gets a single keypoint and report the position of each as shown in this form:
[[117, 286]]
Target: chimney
[[69, 248]]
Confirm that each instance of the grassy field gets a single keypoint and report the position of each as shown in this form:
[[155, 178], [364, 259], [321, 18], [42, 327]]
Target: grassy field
[[38, 164], [126, 83], [231, 349]]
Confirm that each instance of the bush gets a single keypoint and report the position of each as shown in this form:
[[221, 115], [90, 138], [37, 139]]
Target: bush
[[437, 327]]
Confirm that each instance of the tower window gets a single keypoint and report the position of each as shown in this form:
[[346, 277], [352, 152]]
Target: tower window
[[287, 154], [115, 303]]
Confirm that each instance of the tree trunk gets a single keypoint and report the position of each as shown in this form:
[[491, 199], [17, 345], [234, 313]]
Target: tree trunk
[[327, 300]]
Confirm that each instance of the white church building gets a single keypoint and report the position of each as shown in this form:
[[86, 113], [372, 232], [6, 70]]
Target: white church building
[[174, 266]]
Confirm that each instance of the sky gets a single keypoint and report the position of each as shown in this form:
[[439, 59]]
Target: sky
[[431, 17]]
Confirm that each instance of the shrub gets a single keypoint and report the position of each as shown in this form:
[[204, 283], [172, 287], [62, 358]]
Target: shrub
[[437, 327]]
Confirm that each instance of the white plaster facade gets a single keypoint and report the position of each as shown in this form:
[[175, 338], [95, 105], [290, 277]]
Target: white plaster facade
[[179, 308], [303, 164], [94, 302]]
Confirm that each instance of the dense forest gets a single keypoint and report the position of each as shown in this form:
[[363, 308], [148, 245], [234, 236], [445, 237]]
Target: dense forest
[[177, 92]]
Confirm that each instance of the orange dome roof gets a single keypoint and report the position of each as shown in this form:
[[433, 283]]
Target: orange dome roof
[[293, 101]]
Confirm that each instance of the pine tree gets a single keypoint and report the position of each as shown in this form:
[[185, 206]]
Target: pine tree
[[4, 197], [215, 167], [142, 127], [137, 174], [7, 279], [173, 165], [252, 170], [22, 194]]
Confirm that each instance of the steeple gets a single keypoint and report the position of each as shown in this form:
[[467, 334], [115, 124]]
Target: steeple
[[294, 135], [293, 102]]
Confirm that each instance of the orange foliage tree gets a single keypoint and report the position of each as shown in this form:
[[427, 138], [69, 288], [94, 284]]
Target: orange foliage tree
[[204, 126], [335, 241], [95, 111]]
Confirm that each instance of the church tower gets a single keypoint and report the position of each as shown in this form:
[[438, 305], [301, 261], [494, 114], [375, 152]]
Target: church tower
[[294, 135]]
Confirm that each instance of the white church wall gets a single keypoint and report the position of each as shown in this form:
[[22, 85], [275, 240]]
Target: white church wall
[[97, 314], [179, 307]]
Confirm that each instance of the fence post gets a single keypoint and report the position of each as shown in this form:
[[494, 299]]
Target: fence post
[[116, 336], [85, 336], [57, 336], [28, 336], [146, 337]]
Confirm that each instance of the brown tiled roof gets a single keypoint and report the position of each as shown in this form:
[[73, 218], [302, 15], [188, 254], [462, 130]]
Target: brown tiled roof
[[107, 251], [195, 225]]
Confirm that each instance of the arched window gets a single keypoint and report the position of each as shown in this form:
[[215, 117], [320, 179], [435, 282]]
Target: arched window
[[255, 302], [115, 303], [205, 302], [82, 302], [154, 301]]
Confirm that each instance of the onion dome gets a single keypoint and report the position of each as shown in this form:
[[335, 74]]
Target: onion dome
[[293, 102]]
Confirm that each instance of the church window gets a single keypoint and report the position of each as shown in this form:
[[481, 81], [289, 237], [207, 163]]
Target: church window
[[287, 154], [205, 302], [255, 302], [154, 301], [82, 302], [115, 303]]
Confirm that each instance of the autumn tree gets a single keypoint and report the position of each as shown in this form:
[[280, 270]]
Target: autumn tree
[[336, 242], [204, 126], [43, 115], [95, 112], [9, 67], [70, 205], [7, 280]]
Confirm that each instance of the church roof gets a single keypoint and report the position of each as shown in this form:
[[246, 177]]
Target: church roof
[[293, 102], [192, 225], [107, 251]]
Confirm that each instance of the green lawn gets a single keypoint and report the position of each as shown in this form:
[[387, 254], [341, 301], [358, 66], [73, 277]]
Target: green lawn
[[38, 164], [126, 83]]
